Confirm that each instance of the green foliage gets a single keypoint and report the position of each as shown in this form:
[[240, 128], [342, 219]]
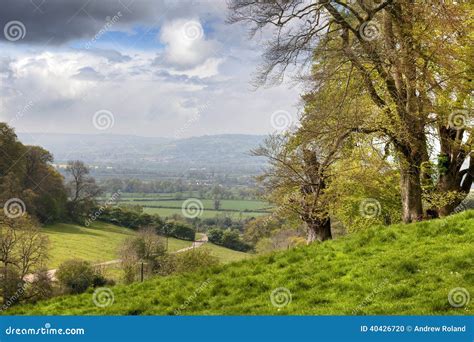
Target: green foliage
[[259, 228], [179, 230], [22, 170], [189, 261], [365, 192], [228, 238], [133, 219], [76, 276], [129, 217], [406, 269], [215, 235]]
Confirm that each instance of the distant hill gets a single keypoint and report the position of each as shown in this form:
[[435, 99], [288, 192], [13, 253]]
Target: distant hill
[[415, 269], [227, 153]]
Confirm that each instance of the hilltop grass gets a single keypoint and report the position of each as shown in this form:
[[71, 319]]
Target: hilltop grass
[[96, 243], [402, 269]]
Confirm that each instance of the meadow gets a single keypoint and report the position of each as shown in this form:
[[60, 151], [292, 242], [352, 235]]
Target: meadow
[[97, 243], [395, 270]]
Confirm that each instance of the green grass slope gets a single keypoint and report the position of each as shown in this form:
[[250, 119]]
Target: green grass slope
[[97, 243], [403, 269], [225, 255]]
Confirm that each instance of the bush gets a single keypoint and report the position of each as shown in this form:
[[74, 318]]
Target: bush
[[194, 259], [215, 235], [228, 238], [146, 247], [41, 287], [130, 218], [12, 287], [179, 230], [189, 261], [135, 220], [76, 276]]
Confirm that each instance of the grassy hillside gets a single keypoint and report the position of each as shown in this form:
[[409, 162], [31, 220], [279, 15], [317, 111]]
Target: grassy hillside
[[403, 269], [97, 243], [225, 255]]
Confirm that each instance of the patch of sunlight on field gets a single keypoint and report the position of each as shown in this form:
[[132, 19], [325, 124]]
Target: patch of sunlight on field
[[97, 243]]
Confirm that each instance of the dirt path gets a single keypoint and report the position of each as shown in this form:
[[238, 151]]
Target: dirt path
[[196, 244], [52, 273]]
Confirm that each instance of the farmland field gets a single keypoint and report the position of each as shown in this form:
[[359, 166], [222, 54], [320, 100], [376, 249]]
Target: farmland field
[[167, 205]]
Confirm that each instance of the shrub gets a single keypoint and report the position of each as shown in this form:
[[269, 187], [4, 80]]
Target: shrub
[[130, 218], [215, 235], [76, 276], [189, 261], [12, 287], [228, 238], [194, 259], [41, 287], [180, 231], [147, 246]]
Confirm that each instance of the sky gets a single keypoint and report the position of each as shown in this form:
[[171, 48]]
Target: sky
[[159, 68]]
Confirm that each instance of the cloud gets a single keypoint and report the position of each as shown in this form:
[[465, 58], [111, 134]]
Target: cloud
[[191, 60], [111, 55], [57, 21], [88, 74], [186, 44]]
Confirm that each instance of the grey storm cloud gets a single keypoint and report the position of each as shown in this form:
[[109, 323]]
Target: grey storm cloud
[[58, 21]]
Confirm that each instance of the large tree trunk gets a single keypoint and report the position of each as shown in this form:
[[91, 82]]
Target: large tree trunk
[[410, 185], [455, 180], [319, 230]]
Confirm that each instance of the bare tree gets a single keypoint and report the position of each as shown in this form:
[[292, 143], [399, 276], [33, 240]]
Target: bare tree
[[23, 251], [146, 247]]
